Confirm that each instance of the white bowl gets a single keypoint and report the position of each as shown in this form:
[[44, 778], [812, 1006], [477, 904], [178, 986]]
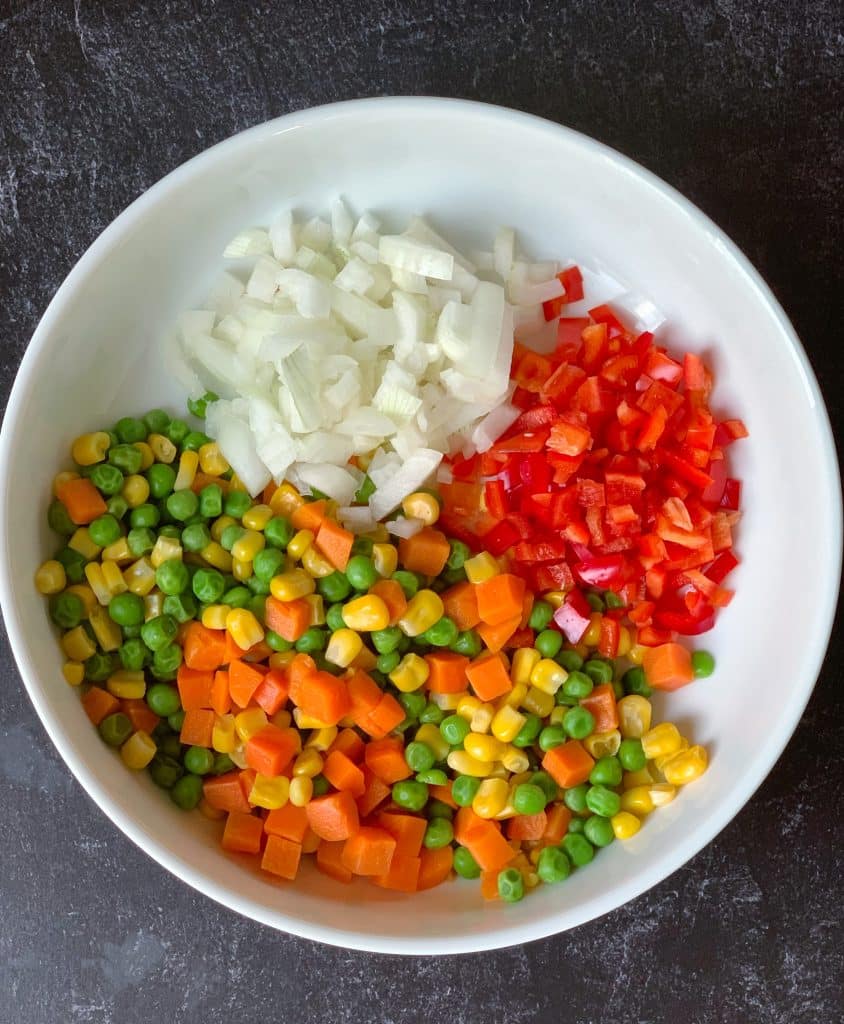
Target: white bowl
[[471, 167]]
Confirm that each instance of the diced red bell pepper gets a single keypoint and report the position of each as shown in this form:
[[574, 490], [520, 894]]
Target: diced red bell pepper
[[599, 572]]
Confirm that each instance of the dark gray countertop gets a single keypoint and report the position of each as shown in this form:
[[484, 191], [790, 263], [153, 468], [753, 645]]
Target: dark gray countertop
[[736, 103]]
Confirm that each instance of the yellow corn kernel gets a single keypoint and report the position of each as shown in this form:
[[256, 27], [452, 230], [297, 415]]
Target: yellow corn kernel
[[50, 578], [209, 812], [114, 578], [554, 597], [215, 615], [238, 755], [467, 707], [77, 645], [217, 556], [165, 549], [637, 800], [525, 660], [285, 500], [661, 762], [482, 719], [108, 633], [603, 744], [127, 685], [85, 595], [301, 791], [343, 647], [642, 777], [685, 767], [288, 586], [593, 631], [662, 793], [223, 735], [211, 459], [548, 676], [270, 792], [135, 490], [308, 763], [431, 736], [281, 659], [244, 628], [508, 810], [378, 535], [299, 543], [385, 558], [410, 674], [423, 610], [139, 577], [663, 739], [515, 760], [634, 716], [367, 614], [118, 552], [539, 702], [515, 697], [249, 544], [322, 737], [316, 605], [316, 564], [257, 517], [147, 458], [221, 524], [464, 764], [366, 660], [483, 747], [81, 542], [481, 567], [153, 605], [282, 719], [625, 825], [507, 723], [248, 723], [138, 750], [241, 570], [236, 484], [162, 448], [89, 449], [188, 465], [490, 798], [558, 714], [97, 583], [446, 701], [636, 654], [73, 672], [421, 505], [625, 641]]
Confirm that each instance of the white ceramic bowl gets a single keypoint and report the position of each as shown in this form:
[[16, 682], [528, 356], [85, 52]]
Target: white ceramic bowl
[[471, 167]]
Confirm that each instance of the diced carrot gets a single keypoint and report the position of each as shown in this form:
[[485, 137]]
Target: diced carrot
[[344, 774], [329, 861], [527, 608], [569, 764], [557, 825], [668, 667], [387, 714], [376, 793], [602, 705], [221, 700], [139, 714], [403, 875], [489, 677], [272, 691], [527, 826], [461, 605], [434, 867], [425, 552], [197, 727], [243, 833], [369, 851], [385, 758], [443, 794], [257, 652], [446, 672], [309, 516], [364, 696], [500, 598], [349, 743], [489, 885], [407, 830], [272, 749], [393, 597], [289, 619], [195, 687], [82, 500], [496, 637], [289, 822], [333, 816], [324, 697], [281, 857], [335, 543], [244, 680], [488, 846], [464, 821], [225, 792], [99, 704], [204, 479], [204, 649], [366, 660]]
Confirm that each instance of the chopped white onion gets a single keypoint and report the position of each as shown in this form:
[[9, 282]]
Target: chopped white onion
[[402, 527]]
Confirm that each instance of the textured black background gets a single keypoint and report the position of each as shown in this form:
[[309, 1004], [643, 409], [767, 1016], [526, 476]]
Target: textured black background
[[737, 104]]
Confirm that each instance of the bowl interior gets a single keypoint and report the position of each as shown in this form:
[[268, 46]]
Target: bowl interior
[[470, 168]]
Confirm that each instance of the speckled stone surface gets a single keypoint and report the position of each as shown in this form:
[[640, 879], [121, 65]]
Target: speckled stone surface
[[738, 104]]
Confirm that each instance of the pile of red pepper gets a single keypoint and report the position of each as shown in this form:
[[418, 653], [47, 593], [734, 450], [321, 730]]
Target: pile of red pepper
[[614, 477]]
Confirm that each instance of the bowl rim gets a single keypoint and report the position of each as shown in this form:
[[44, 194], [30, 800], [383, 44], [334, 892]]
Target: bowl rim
[[505, 935]]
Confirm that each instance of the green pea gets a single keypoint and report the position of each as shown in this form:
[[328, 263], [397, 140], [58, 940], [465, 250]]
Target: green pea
[[104, 530], [211, 501], [126, 457], [237, 597], [66, 610], [634, 682], [548, 643], [144, 517], [575, 798], [408, 581], [276, 642], [99, 667], [431, 714], [364, 492], [703, 664], [465, 864], [450, 577], [333, 588], [467, 643], [313, 639], [115, 729], [127, 609], [231, 535], [170, 531], [553, 865], [196, 537], [552, 736], [177, 431], [141, 541], [182, 505], [528, 733], [165, 770], [540, 615], [163, 699], [443, 633], [278, 532], [363, 546], [194, 441], [199, 406], [612, 600], [107, 478], [595, 603], [258, 586], [130, 430], [458, 552], [607, 771], [182, 607], [410, 794], [208, 585], [598, 831], [59, 520], [578, 685], [176, 720], [439, 833], [385, 641], [580, 851], [575, 826], [156, 421], [133, 654], [158, 632], [387, 663], [199, 760], [578, 723], [187, 792], [528, 799], [172, 576], [464, 789], [435, 777], [419, 756], [117, 506], [544, 781], [269, 563], [334, 618], [166, 661], [222, 764], [511, 886], [631, 755], [598, 671], [161, 478], [603, 801], [237, 503], [131, 632], [361, 572], [454, 729]]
